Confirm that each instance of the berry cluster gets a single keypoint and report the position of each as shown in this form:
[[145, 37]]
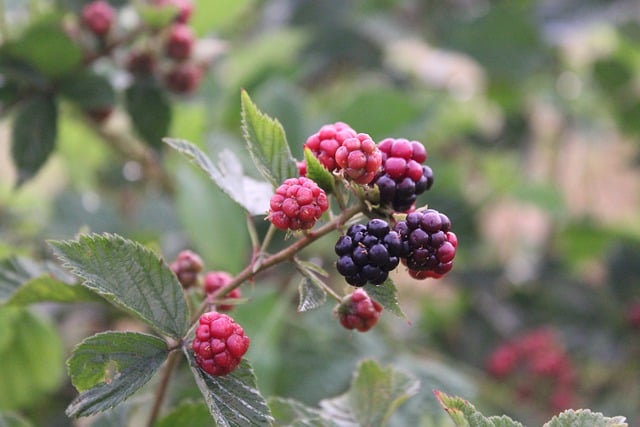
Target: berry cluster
[[187, 267], [402, 177], [324, 143], [430, 246], [297, 204], [216, 280], [537, 366], [219, 343], [368, 252], [358, 311]]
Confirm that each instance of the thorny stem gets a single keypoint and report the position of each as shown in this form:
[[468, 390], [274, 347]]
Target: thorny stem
[[161, 390]]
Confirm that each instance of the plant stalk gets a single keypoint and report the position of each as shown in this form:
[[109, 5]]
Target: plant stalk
[[161, 390]]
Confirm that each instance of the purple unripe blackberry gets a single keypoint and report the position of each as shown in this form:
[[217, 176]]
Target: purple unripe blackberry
[[428, 245], [368, 252], [402, 177]]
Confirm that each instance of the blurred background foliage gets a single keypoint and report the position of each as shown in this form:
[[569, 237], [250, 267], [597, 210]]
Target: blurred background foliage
[[530, 112]]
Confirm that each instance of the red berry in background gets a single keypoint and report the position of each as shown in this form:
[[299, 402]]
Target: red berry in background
[[216, 280], [100, 114], [184, 8], [141, 63], [297, 204], [186, 267], [633, 315], [402, 177], [358, 311], [302, 168], [219, 343], [324, 143], [98, 17], [179, 42], [184, 78], [359, 158], [502, 362]]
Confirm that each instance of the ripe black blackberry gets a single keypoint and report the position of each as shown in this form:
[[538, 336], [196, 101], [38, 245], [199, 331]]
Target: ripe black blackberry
[[431, 243], [403, 177], [368, 252]]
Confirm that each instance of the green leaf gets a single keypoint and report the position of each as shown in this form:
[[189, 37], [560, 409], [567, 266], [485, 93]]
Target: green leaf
[[291, 413], [376, 392], [47, 289], [109, 367], [13, 273], [249, 193], [26, 341], [34, 135], [267, 143], [48, 48], [233, 399], [585, 418], [150, 111], [312, 294], [88, 90], [8, 419], [129, 275], [157, 17], [385, 294], [464, 414], [187, 414], [317, 172]]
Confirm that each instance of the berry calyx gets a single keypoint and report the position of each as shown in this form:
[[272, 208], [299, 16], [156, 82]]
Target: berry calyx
[[366, 253], [219, 343], [297, 204], [179, 42], [358, 311], [186, 267], [216, 280], [359, 158], [324, 143], [430, 243], [184, 78], [98, 17], [402, 177]]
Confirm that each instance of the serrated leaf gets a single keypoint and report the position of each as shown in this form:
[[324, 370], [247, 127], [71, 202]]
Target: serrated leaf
[[318, 173], [150, 111], [465, 414], [130, 276], [585, 418], [187, 414], [233, 400], [18, 271], [8, 419], [47, 289], [88, 90], [312, 294], [386, 295], [267, 143], [249, 193], [109, 367], [33, 136], [374, 395]]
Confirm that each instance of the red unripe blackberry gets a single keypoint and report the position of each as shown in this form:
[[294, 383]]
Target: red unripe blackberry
[[402, 177], [216, 280], [503, 361], [98, 17], [632, 315], [142, 63], [366, 253], [431, 244], [359, 158], [302, 168], [324, 143], [186, 267], [219, 343], [184, 78], [358, 311], [179, 42], [100, 114], [297, 204]]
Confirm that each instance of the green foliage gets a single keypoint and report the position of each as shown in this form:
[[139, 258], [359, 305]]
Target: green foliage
[[109, 367], [317, 172], [464, 414], [47, 289], [311, 291], [585, 418], [12, 420], [88, 90], [187, 414], [233, 399], [150, 111], [386, 295], [130, 276], [267, 143]]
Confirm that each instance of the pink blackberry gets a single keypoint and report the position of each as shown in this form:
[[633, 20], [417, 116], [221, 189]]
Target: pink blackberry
[[402, 177], [186, 267], [368, 252], [358, 311], [179, 42], [359, 158], [184, 78], [431, 244], [324, 143], [216, 280], [98, 17], [219, 343], [297, 204]]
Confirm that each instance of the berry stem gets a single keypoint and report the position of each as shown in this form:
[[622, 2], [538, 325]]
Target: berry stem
[[267, 239], [163, 386], [253, 234]]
